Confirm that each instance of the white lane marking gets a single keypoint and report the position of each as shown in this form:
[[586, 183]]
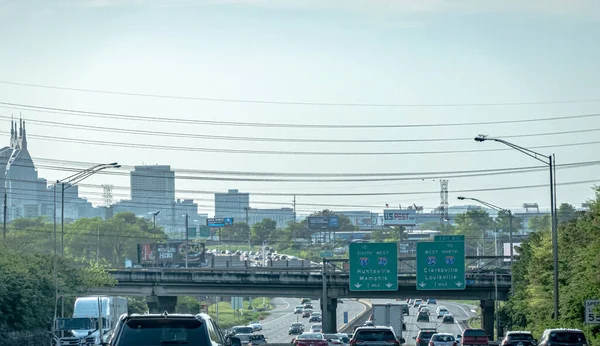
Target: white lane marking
[[280, 317], [465, 311]]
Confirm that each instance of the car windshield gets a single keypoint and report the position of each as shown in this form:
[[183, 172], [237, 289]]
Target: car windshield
[[527, 337], [316, 336], [567, 337], [426, 335], [375, 335], [257, 337], [331, 336], [142, 332], [442, 337], [243, 330]]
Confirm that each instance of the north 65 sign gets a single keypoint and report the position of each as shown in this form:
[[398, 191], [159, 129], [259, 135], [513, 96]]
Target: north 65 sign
[[399, 217]]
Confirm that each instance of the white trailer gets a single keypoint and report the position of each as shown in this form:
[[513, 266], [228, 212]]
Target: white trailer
[[94, 307], [389, 315]]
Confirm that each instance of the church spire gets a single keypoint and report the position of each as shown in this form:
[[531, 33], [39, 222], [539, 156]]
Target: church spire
[[24, 138]]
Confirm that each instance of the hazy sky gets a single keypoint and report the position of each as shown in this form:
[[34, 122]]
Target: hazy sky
[[417, 55]]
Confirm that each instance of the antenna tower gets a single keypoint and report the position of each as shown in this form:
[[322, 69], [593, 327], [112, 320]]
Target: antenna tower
[[107, 198], [444, 200]]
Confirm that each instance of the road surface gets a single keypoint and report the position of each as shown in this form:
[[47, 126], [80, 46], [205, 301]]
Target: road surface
[[275, 327], [461, 312]]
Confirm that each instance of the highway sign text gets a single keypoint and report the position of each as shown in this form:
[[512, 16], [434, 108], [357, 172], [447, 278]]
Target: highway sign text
[[441, 265], [373, 266]]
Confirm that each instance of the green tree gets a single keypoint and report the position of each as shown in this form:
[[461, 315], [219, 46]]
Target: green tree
[[473, 223], [502, 222], [540, 223], [261, 231], [531, 304], [237, 231], [566, 212]]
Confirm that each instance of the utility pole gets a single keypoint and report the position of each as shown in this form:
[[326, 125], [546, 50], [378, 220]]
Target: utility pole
[[62, 219], [4, 221], [249, 232], [98, 244], [187, 245]]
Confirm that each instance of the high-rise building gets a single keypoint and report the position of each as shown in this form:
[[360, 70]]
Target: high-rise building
[[153, 184], [27, 194], [232, 204]]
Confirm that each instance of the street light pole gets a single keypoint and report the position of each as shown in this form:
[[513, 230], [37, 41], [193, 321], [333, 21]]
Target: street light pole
[[550, 161], [187, 245], [249, 232], [70, 181]]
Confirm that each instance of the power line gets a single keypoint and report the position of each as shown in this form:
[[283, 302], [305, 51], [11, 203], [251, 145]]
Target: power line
[[281, 152], [284, 140], [93, 114], [299, 103], [420, 175]]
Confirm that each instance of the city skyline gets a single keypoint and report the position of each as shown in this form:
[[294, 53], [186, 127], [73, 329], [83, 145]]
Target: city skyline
[[214, 86]]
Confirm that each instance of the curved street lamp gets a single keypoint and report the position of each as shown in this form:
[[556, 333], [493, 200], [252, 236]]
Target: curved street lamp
[[550, 162]]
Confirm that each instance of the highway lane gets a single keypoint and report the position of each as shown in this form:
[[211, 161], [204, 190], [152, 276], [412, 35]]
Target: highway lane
[[275, 327], [461, 312]]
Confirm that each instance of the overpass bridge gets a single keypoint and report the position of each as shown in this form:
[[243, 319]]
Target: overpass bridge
[[161, 286]]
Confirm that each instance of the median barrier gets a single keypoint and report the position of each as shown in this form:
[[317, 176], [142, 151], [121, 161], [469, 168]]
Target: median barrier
[[360, 319]]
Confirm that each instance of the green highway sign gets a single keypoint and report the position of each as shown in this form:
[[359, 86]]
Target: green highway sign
[[441, 265], [204, 232], [373, 266], [449, 238], [191, 232], [326, 253]]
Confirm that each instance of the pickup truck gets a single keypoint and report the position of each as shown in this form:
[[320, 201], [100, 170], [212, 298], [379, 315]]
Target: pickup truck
[[474, 337]]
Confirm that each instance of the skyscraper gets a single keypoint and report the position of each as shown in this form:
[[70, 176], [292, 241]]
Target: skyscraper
[[232, 204], [153, 185]]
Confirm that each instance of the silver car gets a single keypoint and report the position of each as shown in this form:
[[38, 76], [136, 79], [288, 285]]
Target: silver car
[[442, 339]]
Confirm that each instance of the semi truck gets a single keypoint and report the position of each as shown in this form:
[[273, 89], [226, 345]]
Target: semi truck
[[390, 315], [93, 320]]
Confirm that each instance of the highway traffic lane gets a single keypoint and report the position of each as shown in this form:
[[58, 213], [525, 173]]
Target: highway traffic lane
[[412, 327], [275, 327]]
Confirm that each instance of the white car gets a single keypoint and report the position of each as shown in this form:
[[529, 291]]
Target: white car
[[441, 312], [442, 339], [316, 328], [255, 325], [424, 308]]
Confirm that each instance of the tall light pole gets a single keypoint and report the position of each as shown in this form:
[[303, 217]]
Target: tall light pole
[[510, 220], [154, 215], [550, 161], [70, 181], [246, 209], [187, 240]]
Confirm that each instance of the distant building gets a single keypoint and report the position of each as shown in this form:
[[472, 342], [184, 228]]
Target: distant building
[[362, 219], [282, 216], [232, 204], [27, 194], [153, 184]]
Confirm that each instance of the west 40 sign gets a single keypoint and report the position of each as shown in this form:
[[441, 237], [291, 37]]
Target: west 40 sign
[[373, 266]]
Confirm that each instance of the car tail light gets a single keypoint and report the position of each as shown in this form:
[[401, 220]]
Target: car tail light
[[431, 343], [454, 344], [419, 340]]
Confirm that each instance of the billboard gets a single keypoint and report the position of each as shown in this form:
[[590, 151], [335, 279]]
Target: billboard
[[173, 252], [219, 221], [399, 217], [364, 221], [507, 250], [323, 222]]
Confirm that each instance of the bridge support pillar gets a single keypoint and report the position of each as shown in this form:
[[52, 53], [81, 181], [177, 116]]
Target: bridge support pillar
[[330, 326], [487, 317], [160, 304]]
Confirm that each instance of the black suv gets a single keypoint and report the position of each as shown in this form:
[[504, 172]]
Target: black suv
[[166, 329], [424, 336], [563, 337], [519, 338]]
